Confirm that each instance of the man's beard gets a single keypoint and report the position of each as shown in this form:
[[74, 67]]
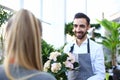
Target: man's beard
[[80, 36]]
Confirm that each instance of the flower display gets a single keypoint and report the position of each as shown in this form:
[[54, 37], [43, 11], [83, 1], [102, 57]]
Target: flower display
[[58, 64]]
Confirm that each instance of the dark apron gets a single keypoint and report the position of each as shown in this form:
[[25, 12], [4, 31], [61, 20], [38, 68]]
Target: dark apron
[[85, 70]]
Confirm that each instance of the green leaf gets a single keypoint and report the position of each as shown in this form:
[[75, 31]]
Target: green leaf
[[62, 58], [76, 64]]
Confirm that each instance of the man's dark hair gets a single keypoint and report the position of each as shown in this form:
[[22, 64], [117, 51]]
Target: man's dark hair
[[82, 15]]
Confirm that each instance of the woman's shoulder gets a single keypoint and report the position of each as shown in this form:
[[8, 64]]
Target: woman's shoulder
[[26, 74], [2, 69], [32, 74], [2, 73], [43, 76]]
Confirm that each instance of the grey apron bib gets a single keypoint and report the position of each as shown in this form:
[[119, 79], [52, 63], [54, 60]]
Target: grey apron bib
[[85, 69]]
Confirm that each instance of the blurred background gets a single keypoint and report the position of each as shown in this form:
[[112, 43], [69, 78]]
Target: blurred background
[[57, 17], [56, 13]]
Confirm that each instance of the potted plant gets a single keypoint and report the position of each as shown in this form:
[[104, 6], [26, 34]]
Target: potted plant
[[112, 41]]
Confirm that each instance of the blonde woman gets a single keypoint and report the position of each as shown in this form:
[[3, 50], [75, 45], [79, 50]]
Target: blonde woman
[[23, 58]]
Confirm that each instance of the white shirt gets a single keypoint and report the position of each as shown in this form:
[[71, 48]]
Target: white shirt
[[96, 54]]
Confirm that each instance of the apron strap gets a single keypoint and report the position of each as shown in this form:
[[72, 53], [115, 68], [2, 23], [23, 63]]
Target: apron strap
[[88, 47], [72, 48]]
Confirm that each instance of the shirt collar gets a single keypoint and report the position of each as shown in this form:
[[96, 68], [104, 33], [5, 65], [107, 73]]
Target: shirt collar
[[84, 42]]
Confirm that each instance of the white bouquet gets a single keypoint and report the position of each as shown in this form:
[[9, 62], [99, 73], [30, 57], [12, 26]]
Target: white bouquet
[[58, 63]]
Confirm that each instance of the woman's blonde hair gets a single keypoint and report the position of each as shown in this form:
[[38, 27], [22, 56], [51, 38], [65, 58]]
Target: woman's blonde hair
[[23, 40]]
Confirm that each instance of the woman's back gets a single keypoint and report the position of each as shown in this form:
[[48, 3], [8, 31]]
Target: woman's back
[[24, 74], [23, 58]]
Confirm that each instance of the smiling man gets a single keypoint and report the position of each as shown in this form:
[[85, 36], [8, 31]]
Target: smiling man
[[88, 53]]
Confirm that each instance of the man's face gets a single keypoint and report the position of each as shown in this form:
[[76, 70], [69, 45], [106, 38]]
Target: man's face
[[80, 27]]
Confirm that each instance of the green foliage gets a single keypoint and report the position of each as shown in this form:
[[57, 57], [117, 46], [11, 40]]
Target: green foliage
[[96, 35], [69, 28], [112, 39], [46, 50], [108, 65], [62, 58], [97, 26], [4, 15]]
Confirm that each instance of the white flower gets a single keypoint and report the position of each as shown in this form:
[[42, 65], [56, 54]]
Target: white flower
[[55, 67], [71, 58], [47, 65], [53, 55]]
